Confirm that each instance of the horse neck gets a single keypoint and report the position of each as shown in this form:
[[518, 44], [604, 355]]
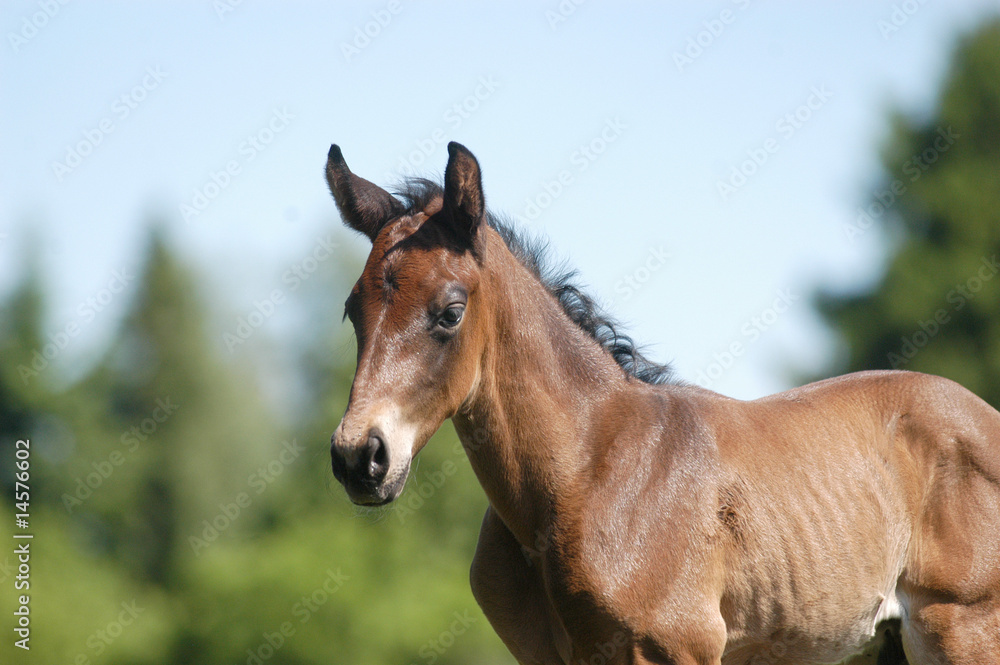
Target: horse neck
[[542, 384]]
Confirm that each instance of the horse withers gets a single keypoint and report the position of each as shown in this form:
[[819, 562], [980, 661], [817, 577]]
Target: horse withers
[[637, 519]]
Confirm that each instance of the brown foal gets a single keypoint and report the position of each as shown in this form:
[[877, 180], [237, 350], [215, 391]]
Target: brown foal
[[637, 520]]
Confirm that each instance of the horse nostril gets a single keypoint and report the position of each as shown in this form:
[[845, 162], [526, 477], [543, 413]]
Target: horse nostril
[[338, 461], [377, 456]]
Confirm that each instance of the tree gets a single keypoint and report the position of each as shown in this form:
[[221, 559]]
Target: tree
[[20, 341], [936, 308], [159, 439]]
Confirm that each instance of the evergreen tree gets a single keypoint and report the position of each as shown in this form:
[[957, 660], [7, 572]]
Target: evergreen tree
[[936, 308], [20, 392], [76, 588]]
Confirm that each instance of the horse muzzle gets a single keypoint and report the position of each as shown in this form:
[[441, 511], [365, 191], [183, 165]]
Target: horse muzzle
[[365, 469]]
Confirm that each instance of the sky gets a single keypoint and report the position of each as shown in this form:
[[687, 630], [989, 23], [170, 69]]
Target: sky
[[700, 164]]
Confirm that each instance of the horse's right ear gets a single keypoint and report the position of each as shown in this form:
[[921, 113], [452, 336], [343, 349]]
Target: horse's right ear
[[463, 192], [365, 206]]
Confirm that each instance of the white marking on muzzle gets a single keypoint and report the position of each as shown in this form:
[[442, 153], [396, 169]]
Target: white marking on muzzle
[[398, 435]]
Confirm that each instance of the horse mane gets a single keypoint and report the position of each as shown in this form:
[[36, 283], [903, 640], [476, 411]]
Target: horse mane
[[560, 281]]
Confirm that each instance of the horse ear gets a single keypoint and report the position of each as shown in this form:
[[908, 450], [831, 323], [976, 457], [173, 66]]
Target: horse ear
[[463, 191], [365, 206]]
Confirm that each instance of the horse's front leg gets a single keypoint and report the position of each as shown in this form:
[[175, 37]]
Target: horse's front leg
[[699, 639], [645, 654], [508, 586]]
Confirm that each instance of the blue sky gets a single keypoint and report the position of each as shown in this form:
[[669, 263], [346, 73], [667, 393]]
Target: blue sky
[[608, 129]]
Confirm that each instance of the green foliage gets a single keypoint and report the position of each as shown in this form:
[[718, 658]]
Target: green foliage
[[83, 604], [162, 481], [935, 309]]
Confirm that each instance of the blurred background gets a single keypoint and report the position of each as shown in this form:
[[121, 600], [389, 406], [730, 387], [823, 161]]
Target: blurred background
[[765, 194]]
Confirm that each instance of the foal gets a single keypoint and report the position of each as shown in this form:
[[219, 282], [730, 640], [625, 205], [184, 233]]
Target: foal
[[635, 520]]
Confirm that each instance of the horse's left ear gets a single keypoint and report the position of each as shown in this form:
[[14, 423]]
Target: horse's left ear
[[365, 206], [463, 192]]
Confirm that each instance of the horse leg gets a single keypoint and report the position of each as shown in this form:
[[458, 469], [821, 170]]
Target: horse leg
[[508, 587], [954, 634], [641, 657], [952, 582], [680, 659], [699, 643]]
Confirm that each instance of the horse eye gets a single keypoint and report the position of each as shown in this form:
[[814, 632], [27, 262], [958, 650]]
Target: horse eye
[[451, 316]]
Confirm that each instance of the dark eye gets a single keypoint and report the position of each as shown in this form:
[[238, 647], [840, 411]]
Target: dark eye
[[451, 317]]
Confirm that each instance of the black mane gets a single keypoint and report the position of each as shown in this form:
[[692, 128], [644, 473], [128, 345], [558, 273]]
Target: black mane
[[583, 310]]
